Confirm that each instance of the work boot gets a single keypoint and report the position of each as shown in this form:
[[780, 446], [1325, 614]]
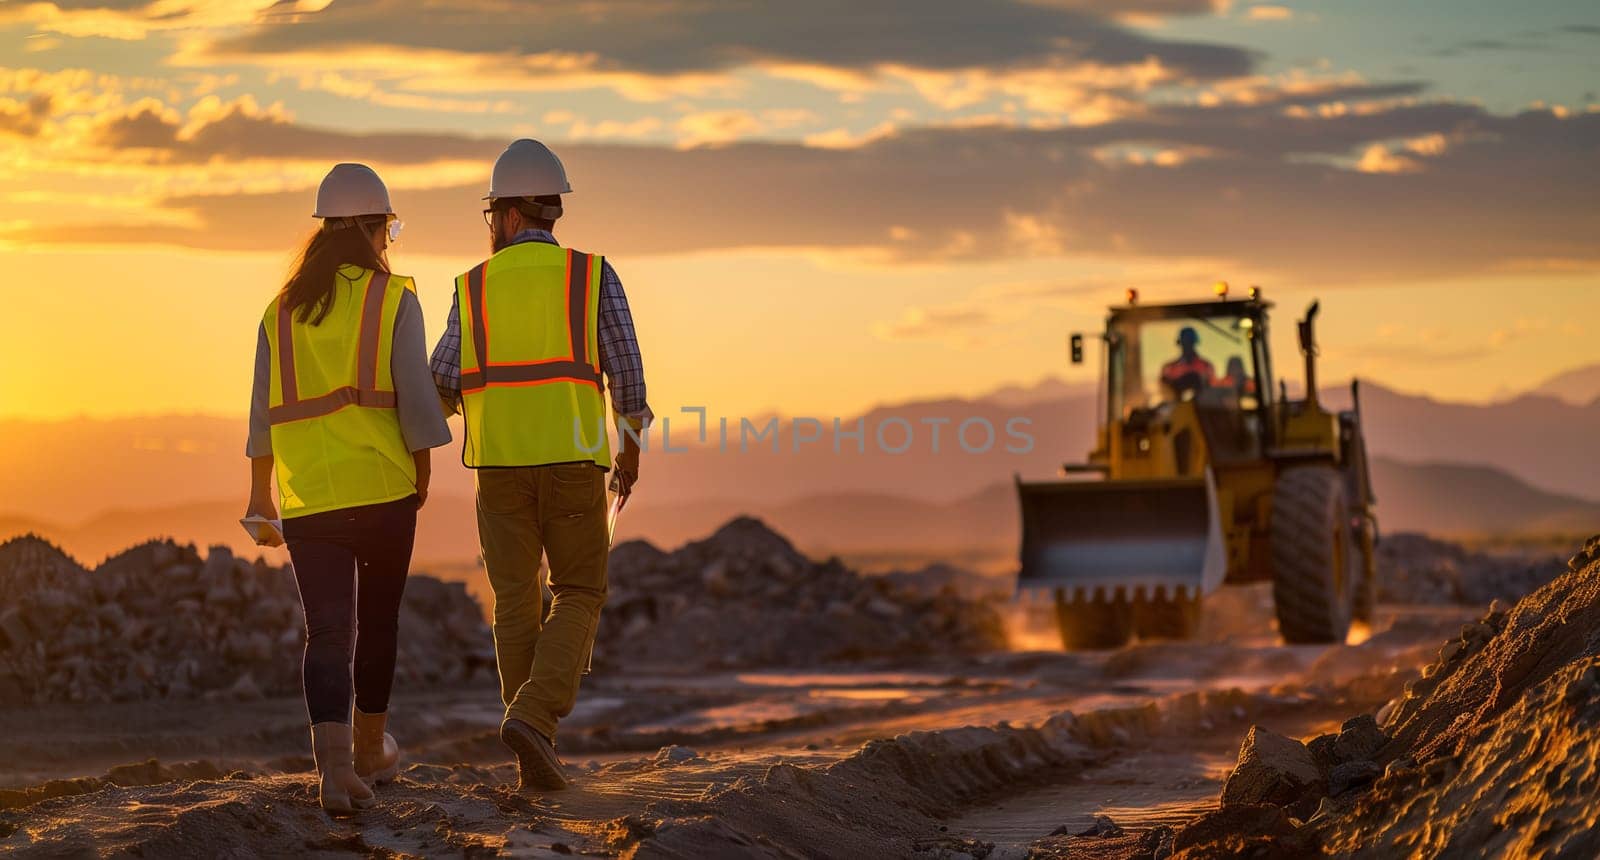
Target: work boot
[[377, 754], [341, 791], [537, 766]]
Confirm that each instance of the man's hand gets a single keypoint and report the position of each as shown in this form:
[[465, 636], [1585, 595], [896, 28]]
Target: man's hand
[[625, 470]]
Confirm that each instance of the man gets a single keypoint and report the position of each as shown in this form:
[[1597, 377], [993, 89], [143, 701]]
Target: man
[[1189, 371], [531, 334]]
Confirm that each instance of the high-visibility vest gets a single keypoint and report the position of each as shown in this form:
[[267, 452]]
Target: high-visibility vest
[[1179, 367], [530, 358], [336, 439]]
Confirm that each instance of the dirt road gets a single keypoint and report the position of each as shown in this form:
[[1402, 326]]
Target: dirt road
[[978, 757]]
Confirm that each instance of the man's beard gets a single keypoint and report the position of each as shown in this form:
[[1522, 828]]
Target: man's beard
[[497, 241]]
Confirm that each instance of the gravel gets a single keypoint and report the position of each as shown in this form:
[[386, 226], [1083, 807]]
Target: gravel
[[160, 621], [744, 597]]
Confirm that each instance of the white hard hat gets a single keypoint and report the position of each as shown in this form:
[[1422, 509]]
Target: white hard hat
[[350, 190], [527, 169]]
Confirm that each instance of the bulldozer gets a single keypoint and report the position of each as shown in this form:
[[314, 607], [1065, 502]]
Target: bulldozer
[[1203, 474]]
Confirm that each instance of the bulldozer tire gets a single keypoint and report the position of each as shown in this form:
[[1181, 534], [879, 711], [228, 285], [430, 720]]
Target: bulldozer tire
[[1313, 571], [1094, 624], [1366, 589], [1166, 617]]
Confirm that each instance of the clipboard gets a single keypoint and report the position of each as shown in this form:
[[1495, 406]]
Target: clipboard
[[263, 531]]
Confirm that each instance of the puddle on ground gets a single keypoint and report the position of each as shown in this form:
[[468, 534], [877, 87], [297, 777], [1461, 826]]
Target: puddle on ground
[[784, 707], [843, 679], [869, 695]]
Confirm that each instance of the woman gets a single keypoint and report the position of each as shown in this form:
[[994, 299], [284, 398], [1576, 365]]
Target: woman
[[343, 415]]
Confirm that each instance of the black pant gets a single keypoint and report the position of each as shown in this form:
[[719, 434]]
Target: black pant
[[327, 550]]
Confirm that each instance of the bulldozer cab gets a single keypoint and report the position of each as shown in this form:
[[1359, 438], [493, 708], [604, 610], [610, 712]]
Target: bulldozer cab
[[1206, 475], [1188, 398], [1211, 357]]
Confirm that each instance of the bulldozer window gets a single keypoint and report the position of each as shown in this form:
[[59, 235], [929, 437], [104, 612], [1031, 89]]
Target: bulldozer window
[[1161, 361]]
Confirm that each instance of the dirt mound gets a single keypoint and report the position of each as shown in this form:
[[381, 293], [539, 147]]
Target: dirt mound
[[745, 597], [180, 625], [890, 798], [1414, 568], [938, 576], [1491, 753], [1496, 661]]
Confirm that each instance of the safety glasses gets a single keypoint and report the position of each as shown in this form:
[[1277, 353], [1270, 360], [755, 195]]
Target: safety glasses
[[488, 216], [395, 227]]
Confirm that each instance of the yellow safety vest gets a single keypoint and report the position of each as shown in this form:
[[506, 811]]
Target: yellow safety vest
[[336, 440], [530, 358]]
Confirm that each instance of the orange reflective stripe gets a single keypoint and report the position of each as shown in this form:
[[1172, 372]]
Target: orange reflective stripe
[[368, 347], [329, 403], [578, 304], [1179, 367], [480, 329], [573, 367], [286, 380], [559, 370], [371, 316]]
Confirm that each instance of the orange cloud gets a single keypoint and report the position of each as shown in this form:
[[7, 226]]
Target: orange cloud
[[723, 126], [654, 51], [1268, 12], [941, 323], [1378, 159], [131, 21], [1229, 181], [24, 118]]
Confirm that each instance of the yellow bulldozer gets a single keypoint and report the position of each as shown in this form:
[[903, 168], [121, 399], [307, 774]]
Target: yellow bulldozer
[[1203, 473]]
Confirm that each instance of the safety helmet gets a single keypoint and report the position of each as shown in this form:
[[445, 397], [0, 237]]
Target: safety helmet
[[1187, 336], [527, 169], [351, 190]]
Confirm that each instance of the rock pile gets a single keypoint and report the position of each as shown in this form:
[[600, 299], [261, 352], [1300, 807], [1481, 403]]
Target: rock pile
[[1493, 752], [745, 597], [1273, 769], [160, 621], [1414, 568], [938, 576]]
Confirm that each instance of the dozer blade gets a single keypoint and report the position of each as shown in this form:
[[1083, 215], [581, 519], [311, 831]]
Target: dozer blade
[[1150, 537]]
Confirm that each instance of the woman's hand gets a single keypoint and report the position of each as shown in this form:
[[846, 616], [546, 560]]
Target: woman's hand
[[265, 509], [262, 507], [261, 504]]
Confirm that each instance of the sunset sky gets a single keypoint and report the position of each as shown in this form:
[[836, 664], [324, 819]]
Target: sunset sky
[[814, 206]]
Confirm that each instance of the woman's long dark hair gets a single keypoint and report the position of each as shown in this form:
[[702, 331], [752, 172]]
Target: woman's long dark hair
[[309, 292]]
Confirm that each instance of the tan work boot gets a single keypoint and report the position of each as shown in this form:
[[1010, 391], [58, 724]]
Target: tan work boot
[[538, 768], [342, 791], [377, 754]]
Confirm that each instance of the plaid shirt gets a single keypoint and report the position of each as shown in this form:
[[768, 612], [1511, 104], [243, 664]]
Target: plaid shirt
[[619, 345]]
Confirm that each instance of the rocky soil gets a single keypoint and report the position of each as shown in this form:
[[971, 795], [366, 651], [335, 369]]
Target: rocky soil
[[1415, 568], [1491, 749], [161, 621], [1493, 752], [746, 597], [891, 797]]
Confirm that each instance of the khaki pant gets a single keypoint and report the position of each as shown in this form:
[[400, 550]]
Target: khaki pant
[[558, 511]]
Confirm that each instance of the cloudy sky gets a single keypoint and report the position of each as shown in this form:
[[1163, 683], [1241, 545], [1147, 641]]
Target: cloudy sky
[[814, 206]]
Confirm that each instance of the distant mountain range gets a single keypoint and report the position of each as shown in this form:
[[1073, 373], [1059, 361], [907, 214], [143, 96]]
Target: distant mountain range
[[1580, 386], [1520, 465], [1441, 499]]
